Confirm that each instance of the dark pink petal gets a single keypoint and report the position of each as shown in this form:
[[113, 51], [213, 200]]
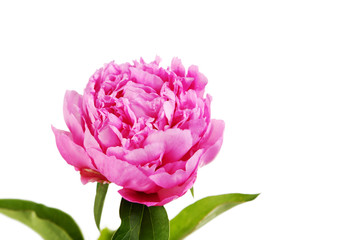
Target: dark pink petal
[[212, 141], [186, 82], [149, 200], [73, 115], [121, 172], [176, 143], [89, 175], [73, 154], [162, 196]]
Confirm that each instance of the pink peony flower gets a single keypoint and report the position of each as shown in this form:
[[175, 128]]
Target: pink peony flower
[[142, 127]]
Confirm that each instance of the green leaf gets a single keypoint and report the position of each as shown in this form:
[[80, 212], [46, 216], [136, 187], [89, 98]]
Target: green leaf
[[49, 223], [141, 222], [131, 216], [106, 234], [155, 224], [201, 212], [101, 190], [192, 191]]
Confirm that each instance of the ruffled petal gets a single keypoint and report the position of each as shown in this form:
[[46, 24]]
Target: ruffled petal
[[149, 153], [212, 141], [167, 180], [109, 136], [176, 143], [121, 172], [200, 80], [146, 78], [197, 128], [90, 141], [177, 67], [73, 154], [72, 109]]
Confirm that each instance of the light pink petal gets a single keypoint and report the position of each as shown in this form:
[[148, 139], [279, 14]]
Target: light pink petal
[[177, 67], [73, 115], [118, 152], [188, 100], [207, 110], [121, 172], [114, 121], [90, 141], [197, 128], [132, 91], [169, 107], [145, 155], [177, 143], [146, 78], [211, 153], [128, 111], [73, 154], [108, 137], [172, 167], [166, 195], [200, 80], [89, 106], [166, 180], [167, 92], [212, 141]]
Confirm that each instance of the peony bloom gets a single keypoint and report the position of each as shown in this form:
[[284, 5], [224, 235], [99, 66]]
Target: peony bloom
[[145, 128]]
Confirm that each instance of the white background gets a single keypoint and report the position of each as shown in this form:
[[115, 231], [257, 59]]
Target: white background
[[284, 75]]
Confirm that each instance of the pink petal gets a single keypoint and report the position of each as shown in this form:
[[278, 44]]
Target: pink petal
[[89, 175], [169, 107], [90, 141], [160, 198], [108, 136], [145, 155], [200, 80], [197, 128], [172, 167], [176, 142], [121, 172], [118, 152], [89, 106], [166, 180], [146, 78], [212, 141], [73, 154], [73, 115], [177, 67]]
